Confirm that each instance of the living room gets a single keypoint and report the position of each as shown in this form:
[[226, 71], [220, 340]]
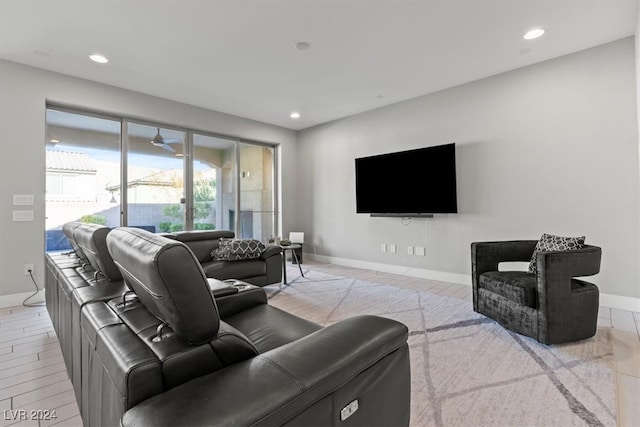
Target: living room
[[551, 147]]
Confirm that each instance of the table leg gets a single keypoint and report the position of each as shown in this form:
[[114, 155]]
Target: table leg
[[284, 268], [297, 261]]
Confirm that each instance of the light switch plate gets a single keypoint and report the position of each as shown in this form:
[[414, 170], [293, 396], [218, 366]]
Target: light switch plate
[[23, 199], [22, 216]]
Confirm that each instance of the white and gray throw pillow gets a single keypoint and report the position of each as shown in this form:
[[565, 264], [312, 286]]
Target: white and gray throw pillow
[[237, 249], [221, 253], [549, 242]]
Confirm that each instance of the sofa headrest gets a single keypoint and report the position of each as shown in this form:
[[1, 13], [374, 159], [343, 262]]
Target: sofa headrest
[[203, 242], [92, 240], [169, 281], [68, 229], [188, 236]]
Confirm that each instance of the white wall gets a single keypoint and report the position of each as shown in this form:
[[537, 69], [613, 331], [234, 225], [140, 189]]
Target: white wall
[[547, 148], [637, 44], [23, 94]]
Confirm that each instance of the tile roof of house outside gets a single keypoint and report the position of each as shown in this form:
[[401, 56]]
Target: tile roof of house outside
[[66, 161]]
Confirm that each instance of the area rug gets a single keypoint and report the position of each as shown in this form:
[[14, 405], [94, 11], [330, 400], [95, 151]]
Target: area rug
[[467, 370]]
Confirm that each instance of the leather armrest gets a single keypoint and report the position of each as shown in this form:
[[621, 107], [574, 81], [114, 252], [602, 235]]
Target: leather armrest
[[271, 251], [220, 289], [229, 305], [281, 384]]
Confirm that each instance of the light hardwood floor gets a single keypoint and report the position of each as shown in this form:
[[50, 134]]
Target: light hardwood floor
[[33, 377]]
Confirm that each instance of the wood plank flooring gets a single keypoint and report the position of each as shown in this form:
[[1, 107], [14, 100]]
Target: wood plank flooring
[[34, 387], [34, 382]]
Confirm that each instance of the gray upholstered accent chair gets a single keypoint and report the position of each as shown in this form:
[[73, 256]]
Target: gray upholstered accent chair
[[550, 305]]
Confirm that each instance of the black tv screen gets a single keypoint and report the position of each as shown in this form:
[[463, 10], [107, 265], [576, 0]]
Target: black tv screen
[[406, 183]]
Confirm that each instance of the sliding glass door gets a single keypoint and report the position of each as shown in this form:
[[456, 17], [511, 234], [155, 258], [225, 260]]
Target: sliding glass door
[[155, 187], [114, 171], [214, 182], [257, 219], [82, 164]]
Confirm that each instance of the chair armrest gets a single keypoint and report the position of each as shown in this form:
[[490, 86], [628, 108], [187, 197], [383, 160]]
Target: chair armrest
[[555, 269], [271, 251], [563, 265], [557, 303], [364, 355], [485, 256]]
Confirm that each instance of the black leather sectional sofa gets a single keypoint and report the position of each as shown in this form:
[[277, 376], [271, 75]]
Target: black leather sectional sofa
[[265, 270], [157, 343]]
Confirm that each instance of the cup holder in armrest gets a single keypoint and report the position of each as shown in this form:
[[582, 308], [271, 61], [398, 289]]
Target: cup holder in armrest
[[239, 284], [220, 288]]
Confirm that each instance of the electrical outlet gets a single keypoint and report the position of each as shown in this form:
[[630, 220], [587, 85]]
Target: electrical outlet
[[392, 249], [28, 268], [419, 250], [410, 250], [383, 247]]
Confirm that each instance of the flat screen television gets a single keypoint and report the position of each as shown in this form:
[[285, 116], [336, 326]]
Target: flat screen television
[[409, 183]]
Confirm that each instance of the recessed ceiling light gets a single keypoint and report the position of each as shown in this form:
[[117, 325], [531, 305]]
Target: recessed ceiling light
[[100, 59], [302, 45], [295, 115], [54, 141], [534, 34]]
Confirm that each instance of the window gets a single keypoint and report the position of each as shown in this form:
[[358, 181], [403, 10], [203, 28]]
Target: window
[[82, 162], [156, 194], [176, 179]]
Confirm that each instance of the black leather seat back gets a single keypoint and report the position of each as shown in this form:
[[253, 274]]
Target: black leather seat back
[[169, 281], [92, 240], [203, 242], [68, 228]]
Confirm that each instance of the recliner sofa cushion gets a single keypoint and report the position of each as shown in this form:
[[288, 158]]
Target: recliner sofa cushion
[[268, 327], [169, 281], [516, 286]]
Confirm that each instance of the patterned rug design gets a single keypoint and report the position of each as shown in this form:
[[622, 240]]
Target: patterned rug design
[[466, 369]]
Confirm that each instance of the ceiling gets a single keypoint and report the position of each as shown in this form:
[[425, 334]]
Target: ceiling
[[239, 57]]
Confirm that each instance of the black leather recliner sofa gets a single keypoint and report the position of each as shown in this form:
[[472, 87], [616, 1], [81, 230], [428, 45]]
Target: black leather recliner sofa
[[265, 270], [182, 349], [75, 279]]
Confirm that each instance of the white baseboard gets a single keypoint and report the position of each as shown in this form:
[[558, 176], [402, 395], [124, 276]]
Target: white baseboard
[[13, 300], [422, 273], [606, 300], [620, 302]]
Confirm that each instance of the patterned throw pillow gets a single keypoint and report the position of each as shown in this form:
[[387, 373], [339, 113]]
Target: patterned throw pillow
[[549, 242], [221, 253], [237, 249]]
